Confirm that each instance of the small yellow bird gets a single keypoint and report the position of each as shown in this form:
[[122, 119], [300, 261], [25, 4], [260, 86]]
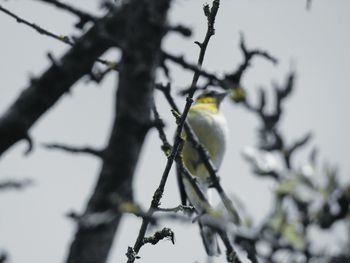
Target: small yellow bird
[[210, 127]]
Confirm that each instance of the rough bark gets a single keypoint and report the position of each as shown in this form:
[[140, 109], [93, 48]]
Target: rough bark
[[144, 31]]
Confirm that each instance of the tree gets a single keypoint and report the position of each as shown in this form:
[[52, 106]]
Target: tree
[[137, 28]]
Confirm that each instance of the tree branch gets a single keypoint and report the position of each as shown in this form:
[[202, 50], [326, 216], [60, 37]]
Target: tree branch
[[83, 16], [159, 235], [175, 149], [62, 38], [37, 28], [72, 149], [45, 91]]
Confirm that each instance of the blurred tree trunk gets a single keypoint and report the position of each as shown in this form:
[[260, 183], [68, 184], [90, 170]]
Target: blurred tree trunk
[[144, 30]]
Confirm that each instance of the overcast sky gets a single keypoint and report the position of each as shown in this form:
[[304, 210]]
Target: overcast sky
[[316, 43]]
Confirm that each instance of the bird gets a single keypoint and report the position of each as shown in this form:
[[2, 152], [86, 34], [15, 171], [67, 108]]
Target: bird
[[210, 127]]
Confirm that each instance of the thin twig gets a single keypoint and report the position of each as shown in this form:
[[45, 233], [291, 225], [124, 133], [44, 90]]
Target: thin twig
[[248, 55], [62, 38], [83, 16], [182, 208], [159, 191], [175, 149], [231, 254], [159, 235], [74, 149], [210, 13], [186, 65], [37, 28], [296, 145]]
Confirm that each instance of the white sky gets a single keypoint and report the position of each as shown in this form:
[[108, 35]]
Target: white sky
[[33, 227]]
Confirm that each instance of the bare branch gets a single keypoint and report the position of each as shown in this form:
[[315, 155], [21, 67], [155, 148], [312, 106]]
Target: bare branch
[[83, 16], [62, 38], [231, 254], [37, 28], [248, 55], [296, 145], [176, 146], [186, 65], [159, 191], [183, 30], [73, 149], [44, 91], [159, 235], [159, 124], [182, 208]]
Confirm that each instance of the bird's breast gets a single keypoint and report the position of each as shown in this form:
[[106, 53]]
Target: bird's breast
[[211, 129]]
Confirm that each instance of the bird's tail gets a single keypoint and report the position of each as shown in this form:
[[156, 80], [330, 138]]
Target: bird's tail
[[210, 240]]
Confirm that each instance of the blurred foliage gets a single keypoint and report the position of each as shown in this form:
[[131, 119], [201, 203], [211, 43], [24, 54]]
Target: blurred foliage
[[306, 197]]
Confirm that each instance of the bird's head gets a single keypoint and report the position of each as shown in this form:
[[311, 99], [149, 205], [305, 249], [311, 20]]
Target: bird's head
[[211, 97]]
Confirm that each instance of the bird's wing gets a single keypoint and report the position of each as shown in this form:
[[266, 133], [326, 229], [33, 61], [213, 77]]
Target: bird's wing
[[180, 183]]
